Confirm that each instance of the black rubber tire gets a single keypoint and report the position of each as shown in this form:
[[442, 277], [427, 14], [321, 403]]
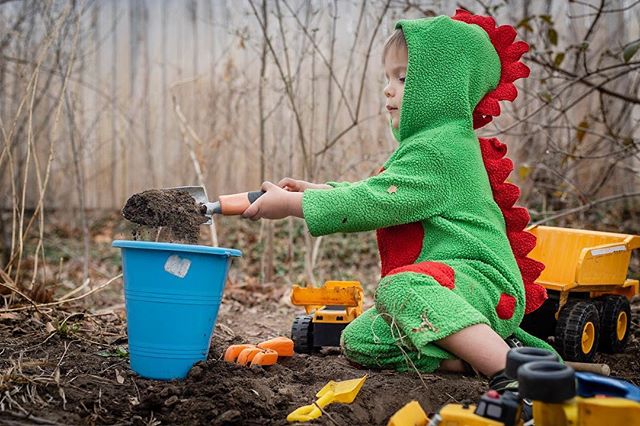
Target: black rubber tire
[[302, 334], [519, 356], [572, 321], [546, 381], [612, 307]]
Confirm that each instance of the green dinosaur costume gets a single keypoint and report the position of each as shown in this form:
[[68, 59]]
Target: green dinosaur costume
[[452, 245]]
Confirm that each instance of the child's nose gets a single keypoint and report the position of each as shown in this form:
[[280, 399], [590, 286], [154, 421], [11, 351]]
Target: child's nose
[[387, 91]]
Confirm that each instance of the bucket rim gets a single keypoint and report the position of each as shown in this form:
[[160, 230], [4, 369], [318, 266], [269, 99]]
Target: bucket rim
[[191, 248]]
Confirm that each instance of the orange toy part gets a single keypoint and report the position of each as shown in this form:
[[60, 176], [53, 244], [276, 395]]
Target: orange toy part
[[283, 346], [232, 352], [247, 355], [265, 357], [265, 353]]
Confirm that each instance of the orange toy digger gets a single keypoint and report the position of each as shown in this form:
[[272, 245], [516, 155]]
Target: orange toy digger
[[265, 353]]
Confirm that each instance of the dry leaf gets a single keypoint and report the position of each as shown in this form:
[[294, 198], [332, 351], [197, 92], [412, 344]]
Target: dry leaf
[[392, 189], [49, 327], [134, 401], [8, 315], [524, 171], [56, 376], [119, 377]]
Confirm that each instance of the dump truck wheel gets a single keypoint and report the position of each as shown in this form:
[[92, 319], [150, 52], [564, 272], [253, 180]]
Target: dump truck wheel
[[302, 334], [615, 323], [577, 331]]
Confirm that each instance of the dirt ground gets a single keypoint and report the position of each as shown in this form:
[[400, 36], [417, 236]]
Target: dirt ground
[[69, 365], [73, 368]]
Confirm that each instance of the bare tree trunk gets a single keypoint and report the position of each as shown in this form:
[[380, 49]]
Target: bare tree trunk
[[78, 169], [114, 106], [149, 146], [266, 260], [163, 157]]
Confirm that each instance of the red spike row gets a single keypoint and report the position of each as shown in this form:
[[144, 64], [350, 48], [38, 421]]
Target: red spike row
[[514, 52], [480, 120], [505, 92], [530, 269], [498, 170], [503, 36], [536, 295], [518, 217], [487, 23], [522, 242], [492, 148], [488, 106], [506, 195], [513, 71]]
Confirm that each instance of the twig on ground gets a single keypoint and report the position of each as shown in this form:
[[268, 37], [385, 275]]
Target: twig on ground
[[76, 290], [326, 414], [10, 285], [60, 302], [31, 418]]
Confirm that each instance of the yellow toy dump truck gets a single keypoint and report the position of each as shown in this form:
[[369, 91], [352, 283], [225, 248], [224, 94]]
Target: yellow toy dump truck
[[586, 278], [328, 311]]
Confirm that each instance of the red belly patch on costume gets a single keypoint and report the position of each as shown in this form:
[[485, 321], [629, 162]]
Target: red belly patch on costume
[[442, 273], [506, 306], [399, 245]]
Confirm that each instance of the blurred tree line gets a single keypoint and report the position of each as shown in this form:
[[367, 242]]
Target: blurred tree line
[[102, 99]]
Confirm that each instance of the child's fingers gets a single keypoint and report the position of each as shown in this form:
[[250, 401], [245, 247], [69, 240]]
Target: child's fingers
[[284, 182], [289, 184], [266, 186], [252, 212]]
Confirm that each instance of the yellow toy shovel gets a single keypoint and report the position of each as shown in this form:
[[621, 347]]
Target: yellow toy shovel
[[344, 392]]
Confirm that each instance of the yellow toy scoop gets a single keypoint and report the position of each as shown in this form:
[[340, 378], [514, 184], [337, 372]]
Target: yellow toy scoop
[[344, 392]]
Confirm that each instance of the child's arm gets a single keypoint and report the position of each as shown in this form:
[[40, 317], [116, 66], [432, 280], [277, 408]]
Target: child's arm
[[282, 200], [414, 186], [295, 185]]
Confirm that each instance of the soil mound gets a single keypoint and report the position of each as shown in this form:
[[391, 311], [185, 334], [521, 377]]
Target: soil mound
[[173, 209]]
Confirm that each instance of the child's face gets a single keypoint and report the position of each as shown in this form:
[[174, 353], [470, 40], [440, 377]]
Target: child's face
[[395, 70]]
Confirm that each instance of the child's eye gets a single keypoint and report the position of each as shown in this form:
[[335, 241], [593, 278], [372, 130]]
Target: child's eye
[[401, 79]]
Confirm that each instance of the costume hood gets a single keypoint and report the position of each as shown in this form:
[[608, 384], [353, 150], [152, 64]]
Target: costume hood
[[452, 66]]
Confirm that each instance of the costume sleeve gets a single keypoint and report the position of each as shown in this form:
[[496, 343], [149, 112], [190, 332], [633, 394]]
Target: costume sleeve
[[413, 187], [339, 184]]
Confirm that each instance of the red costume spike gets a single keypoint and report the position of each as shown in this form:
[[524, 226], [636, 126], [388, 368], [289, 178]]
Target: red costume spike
[[498, 167]]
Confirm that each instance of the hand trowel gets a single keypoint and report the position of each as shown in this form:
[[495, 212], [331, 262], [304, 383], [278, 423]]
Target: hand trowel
[[232, 204]]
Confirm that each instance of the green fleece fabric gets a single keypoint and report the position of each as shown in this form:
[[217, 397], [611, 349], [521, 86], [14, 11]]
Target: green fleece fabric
[[435, 177]]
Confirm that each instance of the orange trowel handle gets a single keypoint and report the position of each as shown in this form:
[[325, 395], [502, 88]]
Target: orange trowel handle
[[235, 204]]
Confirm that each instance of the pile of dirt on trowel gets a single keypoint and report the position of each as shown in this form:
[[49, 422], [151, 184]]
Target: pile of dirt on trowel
[[173, 209]]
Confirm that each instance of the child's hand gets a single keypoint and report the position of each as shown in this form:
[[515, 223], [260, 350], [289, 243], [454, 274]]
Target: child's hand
[[294, 185], [276, 203]]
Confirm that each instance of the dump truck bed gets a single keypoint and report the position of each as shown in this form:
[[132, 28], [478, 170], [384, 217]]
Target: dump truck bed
[[576, 258]]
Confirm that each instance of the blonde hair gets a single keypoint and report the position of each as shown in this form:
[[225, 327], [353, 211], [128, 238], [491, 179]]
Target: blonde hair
[[396, 40]]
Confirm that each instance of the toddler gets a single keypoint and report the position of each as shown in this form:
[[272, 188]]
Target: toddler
[[456, 280]]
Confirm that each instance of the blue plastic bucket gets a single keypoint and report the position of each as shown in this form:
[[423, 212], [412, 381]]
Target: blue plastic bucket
[[172, 295]]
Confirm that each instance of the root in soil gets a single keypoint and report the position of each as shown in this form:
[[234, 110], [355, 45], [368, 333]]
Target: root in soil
[[173, 209]]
